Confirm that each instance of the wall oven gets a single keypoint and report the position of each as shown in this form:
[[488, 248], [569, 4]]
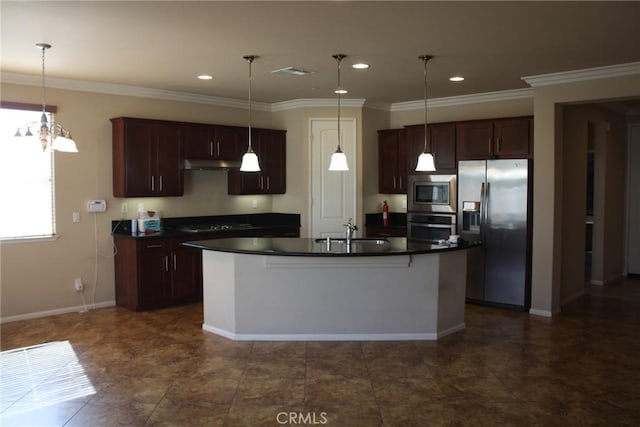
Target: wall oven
[[432, 193], [430, 227]]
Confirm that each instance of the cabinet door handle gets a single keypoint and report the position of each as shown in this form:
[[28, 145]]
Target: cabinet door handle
[[153, 246], [160, 182], [217, 148], [211, 148], [394, 182], [498, 144], [166, 263], [175, 262], [268, 183], [262, 182], [400, 178], [153, 183]]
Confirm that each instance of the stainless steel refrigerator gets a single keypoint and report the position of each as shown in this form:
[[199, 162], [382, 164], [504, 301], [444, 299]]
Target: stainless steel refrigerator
[[494, 206]]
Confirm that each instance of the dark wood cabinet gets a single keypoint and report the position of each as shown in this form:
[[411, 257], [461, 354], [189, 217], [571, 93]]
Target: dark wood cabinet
[[392, 161], [382, 231], [156, 272], [147, 158], [214, 142], [441, 143], [270, 146], [491, 139]]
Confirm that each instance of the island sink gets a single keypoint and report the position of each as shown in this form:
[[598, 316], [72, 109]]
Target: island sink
[[364, 240]]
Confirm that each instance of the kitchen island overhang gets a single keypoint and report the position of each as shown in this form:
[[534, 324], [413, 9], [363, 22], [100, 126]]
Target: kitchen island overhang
[[301, 289]]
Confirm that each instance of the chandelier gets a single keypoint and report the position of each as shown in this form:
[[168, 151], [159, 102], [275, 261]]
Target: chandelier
[[53, 134]]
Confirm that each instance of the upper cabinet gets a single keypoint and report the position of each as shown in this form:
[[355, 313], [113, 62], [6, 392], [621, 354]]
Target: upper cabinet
[[147, 158], [270, 146], [441, 143], [392, 161], [490, 139], [214, 142]]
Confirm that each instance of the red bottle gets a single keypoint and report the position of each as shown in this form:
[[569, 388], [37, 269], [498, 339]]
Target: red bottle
[[385, 213]]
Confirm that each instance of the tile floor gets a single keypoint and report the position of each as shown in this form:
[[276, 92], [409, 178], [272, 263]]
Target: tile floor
[[114, 367]]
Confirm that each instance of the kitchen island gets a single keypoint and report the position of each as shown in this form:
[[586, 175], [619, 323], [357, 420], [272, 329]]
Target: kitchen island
[[310, 289]]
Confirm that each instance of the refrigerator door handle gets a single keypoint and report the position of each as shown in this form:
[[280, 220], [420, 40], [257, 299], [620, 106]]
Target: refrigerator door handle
[[486, 204], [482, 203]]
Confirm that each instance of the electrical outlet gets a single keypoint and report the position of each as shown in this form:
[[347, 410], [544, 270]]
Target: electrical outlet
[[124, 208], [254, 204], [79, 286], [75, 217]]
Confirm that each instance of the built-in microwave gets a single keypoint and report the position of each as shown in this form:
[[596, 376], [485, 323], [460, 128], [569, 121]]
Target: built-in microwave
[[431, 193]]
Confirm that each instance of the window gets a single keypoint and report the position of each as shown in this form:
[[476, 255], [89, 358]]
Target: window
[[26, 180]]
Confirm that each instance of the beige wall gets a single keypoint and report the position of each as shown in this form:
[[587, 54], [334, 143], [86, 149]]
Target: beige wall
[[608, 133], [548, 178]]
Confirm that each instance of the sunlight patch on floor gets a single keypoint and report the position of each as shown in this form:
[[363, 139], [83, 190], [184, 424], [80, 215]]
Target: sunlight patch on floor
[[40, 376]]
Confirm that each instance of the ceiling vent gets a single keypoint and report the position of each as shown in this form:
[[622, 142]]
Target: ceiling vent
[[292, 71]]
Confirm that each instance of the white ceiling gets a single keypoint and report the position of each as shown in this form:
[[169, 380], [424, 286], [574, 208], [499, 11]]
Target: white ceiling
[[165, 45]]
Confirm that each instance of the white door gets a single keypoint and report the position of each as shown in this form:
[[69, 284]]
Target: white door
[[333, 194]]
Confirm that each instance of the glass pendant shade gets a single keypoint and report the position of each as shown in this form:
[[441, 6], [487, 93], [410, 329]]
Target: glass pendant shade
[[65, 144], [250, 162], [338, 161], [425, 163]]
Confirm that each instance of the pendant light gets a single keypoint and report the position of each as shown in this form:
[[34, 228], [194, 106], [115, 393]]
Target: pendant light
[[51, 135], [425, 159], [339, 159], [250, 158]]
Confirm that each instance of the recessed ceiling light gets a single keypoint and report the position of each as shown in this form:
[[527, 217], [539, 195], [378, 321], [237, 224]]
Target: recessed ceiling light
[[341, 91], [205, 77], [456, 78], [360, 66]]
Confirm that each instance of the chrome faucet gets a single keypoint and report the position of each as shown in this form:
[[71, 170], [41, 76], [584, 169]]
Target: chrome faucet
[[350, 228]]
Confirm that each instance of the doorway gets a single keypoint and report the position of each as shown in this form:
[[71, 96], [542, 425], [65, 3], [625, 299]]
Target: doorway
[[333, 194]]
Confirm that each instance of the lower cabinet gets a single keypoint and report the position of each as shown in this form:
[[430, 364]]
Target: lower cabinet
[[156, 272]]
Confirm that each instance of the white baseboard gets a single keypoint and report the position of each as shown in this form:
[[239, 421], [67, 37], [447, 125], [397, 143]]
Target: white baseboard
[[543, 313], [75, 309], [332, 337]]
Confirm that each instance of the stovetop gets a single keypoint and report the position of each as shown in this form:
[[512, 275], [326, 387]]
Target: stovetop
[[201, 228]]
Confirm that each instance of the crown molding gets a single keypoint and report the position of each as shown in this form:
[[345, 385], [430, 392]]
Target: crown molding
[[316, 103], [142, 92], [126, 90], [584, 74], [450, 101]]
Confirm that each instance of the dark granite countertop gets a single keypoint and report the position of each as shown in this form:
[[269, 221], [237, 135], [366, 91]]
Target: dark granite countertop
[[248, 224], [292, 246]]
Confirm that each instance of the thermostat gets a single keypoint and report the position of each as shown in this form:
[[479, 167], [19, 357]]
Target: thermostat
[[96, 205]]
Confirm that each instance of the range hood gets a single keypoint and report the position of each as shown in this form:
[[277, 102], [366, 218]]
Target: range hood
[[210, 164]]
